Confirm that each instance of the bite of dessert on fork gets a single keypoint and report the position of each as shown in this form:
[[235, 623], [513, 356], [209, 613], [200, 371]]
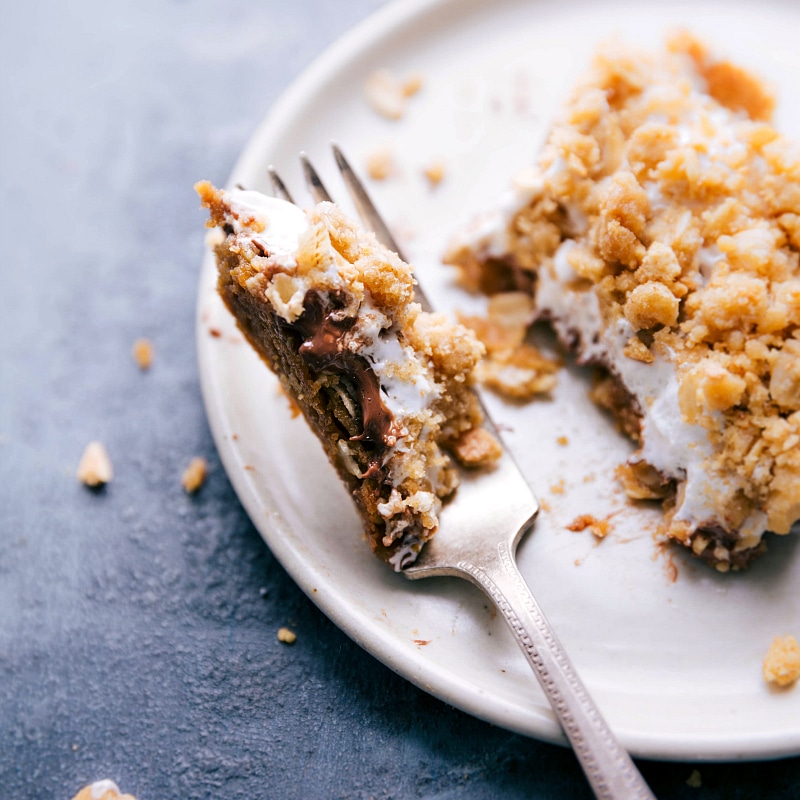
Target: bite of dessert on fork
[[383, 384]]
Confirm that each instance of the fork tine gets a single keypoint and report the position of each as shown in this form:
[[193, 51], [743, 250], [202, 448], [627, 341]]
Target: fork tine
[[278, 186], [370, 216], [313, 181], [364, 205]]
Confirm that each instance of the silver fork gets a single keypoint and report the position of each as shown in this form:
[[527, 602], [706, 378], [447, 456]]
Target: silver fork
[[477, 540]]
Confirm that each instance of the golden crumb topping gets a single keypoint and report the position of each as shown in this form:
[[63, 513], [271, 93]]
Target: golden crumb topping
[[512, 367], [681, 206]]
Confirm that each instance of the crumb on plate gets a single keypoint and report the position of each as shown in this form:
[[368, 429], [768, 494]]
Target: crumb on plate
[[434, 172], [599, 528], [388, 95], [782, 661], [380, 164], [477, 448]]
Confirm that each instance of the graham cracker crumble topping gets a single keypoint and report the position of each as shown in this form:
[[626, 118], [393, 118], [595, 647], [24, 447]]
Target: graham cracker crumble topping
[[511, 367], [782, 661], [681, 207], [95, 467]]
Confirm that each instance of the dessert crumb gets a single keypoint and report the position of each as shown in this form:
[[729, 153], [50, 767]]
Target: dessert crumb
[[512, 367], [412, 83], [782, 661], [287, 636], [694, 780], [599, 528], [562, 440], [671, 569], [388, 95], [557, 488], [102, 790], [477, 448], [434, 172], [194, 475], [95, 467], [380, 164], [215, 332], [143, 353]]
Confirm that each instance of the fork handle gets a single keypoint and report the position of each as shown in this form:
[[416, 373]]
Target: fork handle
[[610, 770]]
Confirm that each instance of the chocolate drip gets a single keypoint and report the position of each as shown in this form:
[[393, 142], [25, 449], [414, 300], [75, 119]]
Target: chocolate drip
[[323, 327]]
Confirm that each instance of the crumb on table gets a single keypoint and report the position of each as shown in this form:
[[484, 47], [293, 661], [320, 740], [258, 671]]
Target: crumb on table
[[194, 475], [102, 790], [694, 780], [782, 661], [143, 353], [95, 467], [287, 636]]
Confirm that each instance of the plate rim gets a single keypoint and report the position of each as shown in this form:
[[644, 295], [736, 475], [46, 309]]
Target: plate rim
[[310, 577]]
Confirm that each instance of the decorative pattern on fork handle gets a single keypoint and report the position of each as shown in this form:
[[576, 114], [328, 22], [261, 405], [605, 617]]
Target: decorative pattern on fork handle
[[609, 768]]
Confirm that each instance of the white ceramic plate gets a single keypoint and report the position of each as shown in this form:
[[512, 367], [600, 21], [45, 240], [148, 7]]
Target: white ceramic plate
[[674, 662]]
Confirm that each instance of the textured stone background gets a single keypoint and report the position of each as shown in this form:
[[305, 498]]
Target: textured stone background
[[137, 625]]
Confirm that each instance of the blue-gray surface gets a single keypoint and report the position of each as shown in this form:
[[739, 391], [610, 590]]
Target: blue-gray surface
[[137, 624]]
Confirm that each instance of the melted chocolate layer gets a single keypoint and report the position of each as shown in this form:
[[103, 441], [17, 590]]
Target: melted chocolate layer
[[322, 326]]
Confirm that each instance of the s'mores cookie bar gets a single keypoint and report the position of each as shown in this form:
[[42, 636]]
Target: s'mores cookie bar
[[383, 384]]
